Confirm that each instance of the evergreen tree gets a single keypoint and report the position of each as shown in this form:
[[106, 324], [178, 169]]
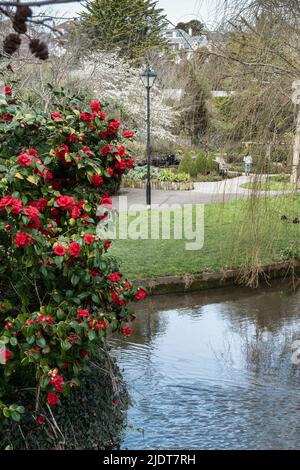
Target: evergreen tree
[[131, 26]]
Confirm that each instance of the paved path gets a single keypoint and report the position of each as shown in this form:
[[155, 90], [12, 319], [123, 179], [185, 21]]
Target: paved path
[[203, 193]]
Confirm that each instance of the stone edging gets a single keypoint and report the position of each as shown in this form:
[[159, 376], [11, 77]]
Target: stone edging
[[155, 184], [211, 280]]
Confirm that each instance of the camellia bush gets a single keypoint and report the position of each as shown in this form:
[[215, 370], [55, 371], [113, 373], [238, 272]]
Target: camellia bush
[[60, 291]]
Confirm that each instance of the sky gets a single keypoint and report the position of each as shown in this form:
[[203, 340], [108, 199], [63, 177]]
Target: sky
[[176, 10]]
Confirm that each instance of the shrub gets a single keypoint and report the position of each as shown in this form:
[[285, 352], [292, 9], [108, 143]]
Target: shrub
[[60, 292], [139, 173], [187, 165], [169, 175], [195, 164]]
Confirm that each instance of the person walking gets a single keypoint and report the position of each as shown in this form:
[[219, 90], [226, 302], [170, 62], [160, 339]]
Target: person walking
[[248, 162]]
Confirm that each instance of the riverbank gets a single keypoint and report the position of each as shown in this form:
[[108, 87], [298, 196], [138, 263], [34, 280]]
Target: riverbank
[[264, 277], [243, 235]]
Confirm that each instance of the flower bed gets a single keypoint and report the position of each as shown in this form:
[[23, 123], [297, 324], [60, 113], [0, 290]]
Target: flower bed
[[155, 184]]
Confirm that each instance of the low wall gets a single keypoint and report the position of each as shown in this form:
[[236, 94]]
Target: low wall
[[155, 184], [211, 280]]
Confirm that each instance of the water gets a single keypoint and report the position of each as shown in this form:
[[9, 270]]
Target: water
[[213, 371]]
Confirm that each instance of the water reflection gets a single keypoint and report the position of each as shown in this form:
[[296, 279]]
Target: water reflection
[[213, 371]]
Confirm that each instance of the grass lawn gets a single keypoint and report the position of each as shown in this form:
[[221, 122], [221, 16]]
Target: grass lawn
[[273, 183], [236, 234]]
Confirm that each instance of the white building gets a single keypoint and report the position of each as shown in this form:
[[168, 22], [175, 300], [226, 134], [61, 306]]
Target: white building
[[179, 40]]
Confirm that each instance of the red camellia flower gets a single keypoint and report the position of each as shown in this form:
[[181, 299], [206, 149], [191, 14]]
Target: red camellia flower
[[102, 115], [106, 150], [97, 180], [116, 299], [109, 170], [59, 250], [107, 245], [40, 420], [127, 134], [126, 331], [32, 152], [7, 90], [57, 381], [75, 212], [32, 212], [121, 165], [74, 250], [94, 272], [114, 125], [24, 160], [88, 238], [84, 352], [48, 176], [23, 239], [52, 398], [130, 163], [56, 117], [95, 106], [86, 117], [101, 325], [5, 202], [83, 314], [15, 204], [103, 134], [141, 294], [65, 202], [121, 151], [114, 277], [7, 117], [106, 201], [61, 151], [71, 138], [8, 355]]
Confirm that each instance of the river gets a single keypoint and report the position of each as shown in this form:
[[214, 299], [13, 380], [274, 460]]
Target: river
[[213, 371]]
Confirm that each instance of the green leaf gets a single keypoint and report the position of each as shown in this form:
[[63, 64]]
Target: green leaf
[[13, 341], [91, 335], [41, 342], [15, 416], [65, 345], [75, 280], [6, 412], [30, 339]]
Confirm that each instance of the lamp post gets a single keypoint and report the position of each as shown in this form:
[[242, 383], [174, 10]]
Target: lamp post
[[148, 78]]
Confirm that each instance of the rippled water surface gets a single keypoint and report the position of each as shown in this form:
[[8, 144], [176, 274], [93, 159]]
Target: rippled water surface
[[213, 371]]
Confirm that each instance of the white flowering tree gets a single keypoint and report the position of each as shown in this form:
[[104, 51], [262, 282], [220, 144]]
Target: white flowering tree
[[112, 78]]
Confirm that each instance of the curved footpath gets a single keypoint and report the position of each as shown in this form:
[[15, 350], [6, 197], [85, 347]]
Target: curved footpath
[[203, 193]]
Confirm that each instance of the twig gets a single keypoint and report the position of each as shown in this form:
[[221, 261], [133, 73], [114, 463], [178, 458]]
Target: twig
[[22, 434]]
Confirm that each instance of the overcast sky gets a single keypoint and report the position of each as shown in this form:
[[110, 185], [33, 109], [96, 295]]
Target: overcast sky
[[176, 10]]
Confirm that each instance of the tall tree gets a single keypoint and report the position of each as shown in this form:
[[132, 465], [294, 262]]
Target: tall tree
[[131, 26], [195, 25]]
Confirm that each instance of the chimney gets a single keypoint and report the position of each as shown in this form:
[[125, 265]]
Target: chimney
[[190, 32]]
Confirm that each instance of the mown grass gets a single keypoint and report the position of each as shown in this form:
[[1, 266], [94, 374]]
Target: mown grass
[[273, 183], [244, 233]]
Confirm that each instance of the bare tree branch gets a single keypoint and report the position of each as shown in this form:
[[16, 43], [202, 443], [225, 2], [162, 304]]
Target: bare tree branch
[[37, 3]]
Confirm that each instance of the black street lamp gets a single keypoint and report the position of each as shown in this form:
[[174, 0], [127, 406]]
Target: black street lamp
[[148, 79]]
